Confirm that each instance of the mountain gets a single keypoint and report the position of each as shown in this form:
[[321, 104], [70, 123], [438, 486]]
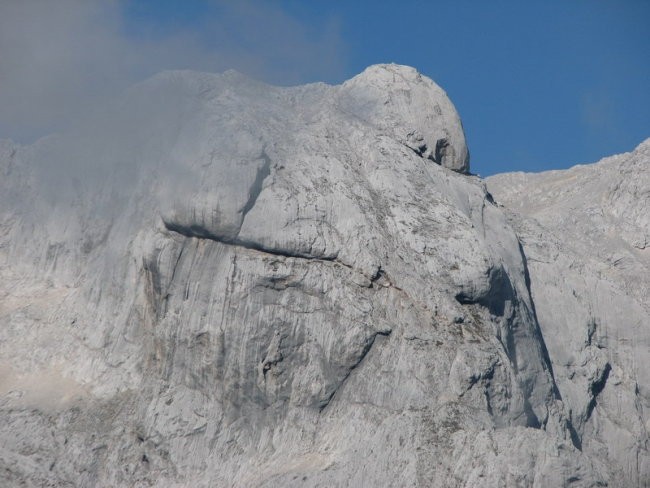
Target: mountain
[[217, 282], [586, 237]]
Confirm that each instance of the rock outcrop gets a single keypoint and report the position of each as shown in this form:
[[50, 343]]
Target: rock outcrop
[[585, 233], [223, 283]]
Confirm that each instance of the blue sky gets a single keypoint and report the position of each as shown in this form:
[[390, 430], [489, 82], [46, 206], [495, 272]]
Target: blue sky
[[539, 84]]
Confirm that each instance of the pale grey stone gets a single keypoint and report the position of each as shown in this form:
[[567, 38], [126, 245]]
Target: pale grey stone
[[584, 232], [224, 283]]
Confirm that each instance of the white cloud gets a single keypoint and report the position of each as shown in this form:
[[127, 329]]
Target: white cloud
[[59, 58]]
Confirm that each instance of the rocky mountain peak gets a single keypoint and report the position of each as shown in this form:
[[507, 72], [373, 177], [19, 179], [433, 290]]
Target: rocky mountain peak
[[412, 108], [218, 282]]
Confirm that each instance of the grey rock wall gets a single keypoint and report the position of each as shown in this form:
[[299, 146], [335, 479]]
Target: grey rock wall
[[224, 283], [584, 233]]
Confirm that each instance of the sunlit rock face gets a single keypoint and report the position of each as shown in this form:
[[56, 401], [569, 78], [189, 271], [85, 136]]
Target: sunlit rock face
[[586, 235], [217, 282]]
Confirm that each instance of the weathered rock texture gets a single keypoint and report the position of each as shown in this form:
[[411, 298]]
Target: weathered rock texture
[[586, 236], [224, 283]]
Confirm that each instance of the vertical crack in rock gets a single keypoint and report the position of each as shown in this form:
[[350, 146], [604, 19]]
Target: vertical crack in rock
[[545, 355], [256, 187], [596, 388], [176, 263], [442, 147], [575, 437]]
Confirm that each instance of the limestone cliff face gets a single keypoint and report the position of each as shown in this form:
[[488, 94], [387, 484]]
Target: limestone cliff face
[[586, 236], [224, 283]]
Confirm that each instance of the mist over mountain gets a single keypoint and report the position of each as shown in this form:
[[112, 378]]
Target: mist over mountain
[[217, 282]]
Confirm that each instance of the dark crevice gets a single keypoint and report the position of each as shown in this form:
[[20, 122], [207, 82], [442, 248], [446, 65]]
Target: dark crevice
[[378, 274], [488, 403], [441, 150], [176, 263], [437, 155], [545, 355], [575, 438], [256, 187], [200, 232], [596, 388], [421, 150], [531, 419], [592, 327], [500, 291], [364, 354], [379, 278]]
